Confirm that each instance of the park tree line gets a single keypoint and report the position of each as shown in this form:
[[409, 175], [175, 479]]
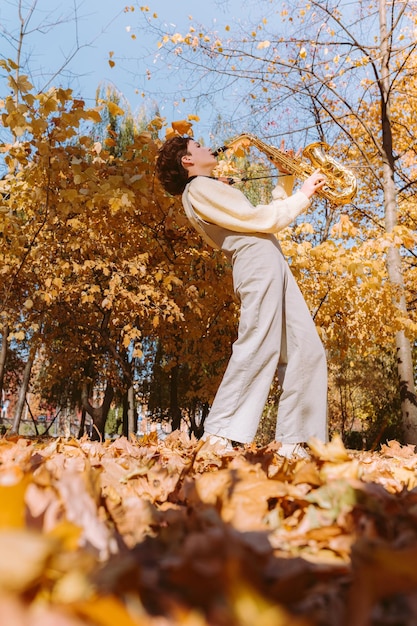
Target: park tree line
[[105, 286], [98, 279]]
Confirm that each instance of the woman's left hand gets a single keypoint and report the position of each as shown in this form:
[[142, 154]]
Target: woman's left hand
[[289, 153]]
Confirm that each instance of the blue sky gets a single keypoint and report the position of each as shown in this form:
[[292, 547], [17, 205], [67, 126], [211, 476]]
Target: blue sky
[[103, 27]]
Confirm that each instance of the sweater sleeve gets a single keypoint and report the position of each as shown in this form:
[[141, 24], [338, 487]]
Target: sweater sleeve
[[226, 206]]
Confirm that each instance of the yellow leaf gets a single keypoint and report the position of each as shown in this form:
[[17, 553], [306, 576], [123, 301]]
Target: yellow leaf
[[114, 109], [21, 84], [68, 534], [177, 38], [12, 510], [104, 611], [333, 451], [182, 127], [73, 586], [94, 115], [24, 557]]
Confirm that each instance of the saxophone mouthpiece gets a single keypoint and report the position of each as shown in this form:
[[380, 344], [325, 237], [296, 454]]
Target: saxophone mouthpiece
[[220, 150]]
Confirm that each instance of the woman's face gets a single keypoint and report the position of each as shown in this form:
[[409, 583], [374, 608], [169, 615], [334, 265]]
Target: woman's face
[[199, 156]]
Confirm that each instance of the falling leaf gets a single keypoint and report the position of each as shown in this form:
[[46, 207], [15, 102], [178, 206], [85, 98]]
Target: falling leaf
[[182, 127]]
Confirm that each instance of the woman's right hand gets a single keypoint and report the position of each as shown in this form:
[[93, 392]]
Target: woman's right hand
[[313, 183]]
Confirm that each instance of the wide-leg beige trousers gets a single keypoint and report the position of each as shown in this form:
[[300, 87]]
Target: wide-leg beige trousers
[[275, 330]]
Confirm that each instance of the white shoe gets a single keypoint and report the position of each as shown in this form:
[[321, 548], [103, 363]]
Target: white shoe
[[293, 451], [221, 443]]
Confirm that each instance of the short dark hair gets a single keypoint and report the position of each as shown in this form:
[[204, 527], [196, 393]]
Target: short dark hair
[[169, 168]]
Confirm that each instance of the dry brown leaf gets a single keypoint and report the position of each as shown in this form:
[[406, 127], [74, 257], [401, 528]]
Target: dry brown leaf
[[14, 612], [24, 557], [395, 449], [333, 451]]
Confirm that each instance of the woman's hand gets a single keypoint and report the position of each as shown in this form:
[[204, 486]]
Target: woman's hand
[[289, 153], [313, 183], [316, 181]]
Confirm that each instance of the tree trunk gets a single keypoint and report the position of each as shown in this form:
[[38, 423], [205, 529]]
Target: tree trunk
[[98, 414], [35, 426], [197, 426], [81, 430], [3, 356], [129, 421], [132, 426], [22, 395], [174, 408], [125, 416], [393, 257]]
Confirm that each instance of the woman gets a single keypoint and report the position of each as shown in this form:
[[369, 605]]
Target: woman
[[275, 326]]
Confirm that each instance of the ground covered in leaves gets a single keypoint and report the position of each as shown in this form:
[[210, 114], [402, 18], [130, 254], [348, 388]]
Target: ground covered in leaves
[[148, 533]]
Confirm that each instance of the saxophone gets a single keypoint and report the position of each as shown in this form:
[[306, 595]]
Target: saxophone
[[341, 186]]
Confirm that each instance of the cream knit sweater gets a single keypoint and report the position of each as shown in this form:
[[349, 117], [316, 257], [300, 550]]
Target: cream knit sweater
[[224, 205]]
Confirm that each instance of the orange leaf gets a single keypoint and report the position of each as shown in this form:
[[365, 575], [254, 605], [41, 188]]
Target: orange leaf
[[113, 108], [12, 510], [182, 127], [105, 611]]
